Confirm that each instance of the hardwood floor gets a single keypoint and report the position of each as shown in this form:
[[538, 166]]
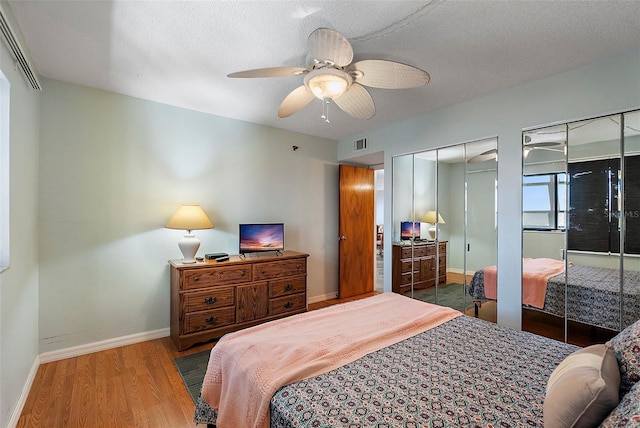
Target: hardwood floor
[[131, 386]]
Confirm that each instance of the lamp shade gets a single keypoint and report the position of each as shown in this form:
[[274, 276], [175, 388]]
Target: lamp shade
[[189, 217], [432, 217]]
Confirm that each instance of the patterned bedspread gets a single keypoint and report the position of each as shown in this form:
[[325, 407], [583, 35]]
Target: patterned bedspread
[[593, 296], [466, 372]]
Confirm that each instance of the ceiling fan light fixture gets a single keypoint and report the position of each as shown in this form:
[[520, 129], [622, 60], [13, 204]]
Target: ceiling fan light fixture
[[327, 83]]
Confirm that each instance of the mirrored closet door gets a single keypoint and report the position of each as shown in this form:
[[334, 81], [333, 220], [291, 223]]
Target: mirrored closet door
[[581, 251], [444, 224]]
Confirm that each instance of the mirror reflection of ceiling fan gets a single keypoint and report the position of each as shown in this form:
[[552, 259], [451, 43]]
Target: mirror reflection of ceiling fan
[[331, 76], [484, 156], [529, 146]]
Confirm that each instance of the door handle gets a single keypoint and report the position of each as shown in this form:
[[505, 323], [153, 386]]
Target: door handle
[[342, 238]]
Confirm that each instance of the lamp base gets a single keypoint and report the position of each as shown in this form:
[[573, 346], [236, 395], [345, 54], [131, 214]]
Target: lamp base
[[432, 232], [189, 246]]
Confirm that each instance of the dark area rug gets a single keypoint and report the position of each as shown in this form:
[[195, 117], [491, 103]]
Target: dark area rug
[[451, 295], [192, 369]]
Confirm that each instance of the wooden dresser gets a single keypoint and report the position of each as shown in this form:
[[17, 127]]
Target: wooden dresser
[[210, 299], [418, 259]]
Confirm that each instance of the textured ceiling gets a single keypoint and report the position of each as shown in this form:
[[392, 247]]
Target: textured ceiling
[[180, 52]]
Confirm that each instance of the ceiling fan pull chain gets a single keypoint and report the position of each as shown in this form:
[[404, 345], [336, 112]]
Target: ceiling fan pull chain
[[325, 110]]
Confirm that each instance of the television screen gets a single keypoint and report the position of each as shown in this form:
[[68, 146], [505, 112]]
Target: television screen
[[410, 230], [261, 237]]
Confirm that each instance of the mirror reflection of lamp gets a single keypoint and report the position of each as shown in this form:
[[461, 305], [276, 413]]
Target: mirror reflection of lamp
[[189, 217], [433, 218]]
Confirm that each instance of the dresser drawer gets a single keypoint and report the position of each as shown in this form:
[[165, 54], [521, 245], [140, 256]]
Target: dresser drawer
[[420, 251], [405, 278], [262, 271], [406, 252], [211, 299], [286, 304], [406, 266], [285, 287], [417, 251], [201, 278], [206, 320]]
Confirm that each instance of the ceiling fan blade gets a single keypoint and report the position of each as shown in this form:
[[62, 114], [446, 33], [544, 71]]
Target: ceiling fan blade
[[485, 156], [296, 100], [328, 45], [357, 102], [379, 73], [544, 144], [270, 72]]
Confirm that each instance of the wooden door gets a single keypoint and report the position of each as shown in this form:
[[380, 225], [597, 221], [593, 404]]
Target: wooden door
[[357, 231]]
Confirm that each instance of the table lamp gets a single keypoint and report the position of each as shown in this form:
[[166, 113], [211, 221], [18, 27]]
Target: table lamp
[[189, 217], [433, 218]]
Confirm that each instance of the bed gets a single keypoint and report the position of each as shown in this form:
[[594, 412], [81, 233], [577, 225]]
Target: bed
[[593, 293], [457, 371]]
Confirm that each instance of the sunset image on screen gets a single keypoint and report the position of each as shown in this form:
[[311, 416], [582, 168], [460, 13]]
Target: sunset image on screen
[[261, 237]]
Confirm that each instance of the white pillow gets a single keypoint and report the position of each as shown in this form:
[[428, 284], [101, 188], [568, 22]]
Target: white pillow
[[583, 389]]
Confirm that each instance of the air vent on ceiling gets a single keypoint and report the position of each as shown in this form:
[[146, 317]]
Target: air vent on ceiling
[[360, 144], [16, 50]]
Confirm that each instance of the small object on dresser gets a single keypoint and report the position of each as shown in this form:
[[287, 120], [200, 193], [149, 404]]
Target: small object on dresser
[[214, 256], [199, 258], [222, 259]]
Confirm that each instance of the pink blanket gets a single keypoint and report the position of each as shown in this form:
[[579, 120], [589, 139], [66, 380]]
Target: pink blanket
[[247, 367], [535, 274]]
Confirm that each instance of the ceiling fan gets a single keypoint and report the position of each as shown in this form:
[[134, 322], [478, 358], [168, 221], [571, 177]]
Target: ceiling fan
[[331, 76], [484, 156], [530, 145]]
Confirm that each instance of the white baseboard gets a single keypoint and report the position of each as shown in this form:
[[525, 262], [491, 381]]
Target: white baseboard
[[17, 411], [322, 298], [460, 271], [76, 351]]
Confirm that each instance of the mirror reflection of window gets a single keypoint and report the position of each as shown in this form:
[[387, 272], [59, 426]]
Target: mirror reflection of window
[[543, 203]]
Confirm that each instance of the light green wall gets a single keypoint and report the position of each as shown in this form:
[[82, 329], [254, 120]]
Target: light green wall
[[19, 284], [599, 88], [115, 168]]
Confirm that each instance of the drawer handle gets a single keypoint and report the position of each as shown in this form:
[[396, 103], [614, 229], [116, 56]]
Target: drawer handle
[[288, 287], [288, 305], [210, 300], [197, 278], [211, 320]]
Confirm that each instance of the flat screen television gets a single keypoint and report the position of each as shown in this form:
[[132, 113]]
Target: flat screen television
[[410, 230], [261, 237]]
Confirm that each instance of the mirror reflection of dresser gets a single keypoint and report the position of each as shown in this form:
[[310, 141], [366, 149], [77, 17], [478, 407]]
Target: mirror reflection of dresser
[[414, 262]]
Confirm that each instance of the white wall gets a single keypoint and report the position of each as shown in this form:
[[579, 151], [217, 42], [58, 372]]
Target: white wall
[[113, 169], [599, 88], [19, 284]]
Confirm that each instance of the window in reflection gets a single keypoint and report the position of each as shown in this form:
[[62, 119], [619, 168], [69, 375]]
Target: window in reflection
[[543, 203]]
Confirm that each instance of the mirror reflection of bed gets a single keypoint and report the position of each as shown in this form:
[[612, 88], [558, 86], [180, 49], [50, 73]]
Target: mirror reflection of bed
[[592, 299]]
